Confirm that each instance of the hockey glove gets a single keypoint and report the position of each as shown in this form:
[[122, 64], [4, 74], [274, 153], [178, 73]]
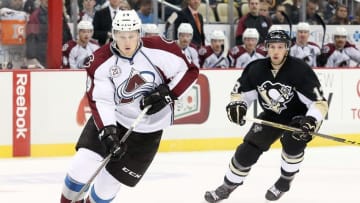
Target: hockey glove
[[158, 99], [236, 111], [109, 136], [307, 125], [321, 60]]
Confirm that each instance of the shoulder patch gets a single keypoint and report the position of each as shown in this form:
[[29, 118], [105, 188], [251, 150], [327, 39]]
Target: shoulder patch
[[235, 50], [326, 49], [115, 71], [65, 47], [202, 51]]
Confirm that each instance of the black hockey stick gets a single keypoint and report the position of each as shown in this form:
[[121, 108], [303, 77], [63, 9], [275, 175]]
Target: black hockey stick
[[293, 129], [324, 29], [108, 157], [289, 22]]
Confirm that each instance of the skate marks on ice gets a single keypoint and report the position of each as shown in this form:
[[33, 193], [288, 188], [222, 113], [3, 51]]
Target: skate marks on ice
[[328, 175]]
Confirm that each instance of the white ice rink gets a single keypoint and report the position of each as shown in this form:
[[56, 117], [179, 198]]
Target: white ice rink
[[328, 175]]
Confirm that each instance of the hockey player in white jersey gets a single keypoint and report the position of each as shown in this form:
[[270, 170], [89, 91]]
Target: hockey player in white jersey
[[124, 77], [75, 52], [241, 55], [303, 48], [341, 52], [185, 35], [149, 30], [215, 55], [289, 93]]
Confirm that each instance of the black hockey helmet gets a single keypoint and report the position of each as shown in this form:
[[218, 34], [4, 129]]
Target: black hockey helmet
[[278, 36]]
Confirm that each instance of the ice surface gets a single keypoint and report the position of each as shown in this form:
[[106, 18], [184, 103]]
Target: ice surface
[[328, 175]]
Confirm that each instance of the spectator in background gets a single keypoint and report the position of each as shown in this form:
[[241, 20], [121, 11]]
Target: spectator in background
[[330, 9], [185, 34], [341, 16], [191, 15], [303, 49], [66, 35], [293, 9], [124, 5], [145, 11], [88, 11], [215, 55], [272, 3], [134, 4], [75, 52], [149, 30], [29, 6], [253, 20], [102, 21], [12, 37], [37, 36], [264, 9], [278, 17], [311, 8], [241, 55], [13, 4], [341, 52], [100, 4]]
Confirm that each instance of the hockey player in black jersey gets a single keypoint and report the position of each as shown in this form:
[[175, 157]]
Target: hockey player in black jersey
[[289, 93]]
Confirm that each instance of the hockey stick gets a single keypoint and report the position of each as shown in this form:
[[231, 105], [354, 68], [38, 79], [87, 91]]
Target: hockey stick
[[108, 157], [289, 22], [293, 129], [324, 29]]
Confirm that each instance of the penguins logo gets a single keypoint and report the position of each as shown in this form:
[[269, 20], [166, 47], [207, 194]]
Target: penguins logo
[[275, 96]]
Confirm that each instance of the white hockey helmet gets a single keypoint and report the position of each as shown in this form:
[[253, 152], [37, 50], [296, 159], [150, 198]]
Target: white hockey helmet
[[185, 28], [250, 33], [340, 31], [275, 27], [85, 25], [218, 35], [303, 26], [126, 20], [150, 28]]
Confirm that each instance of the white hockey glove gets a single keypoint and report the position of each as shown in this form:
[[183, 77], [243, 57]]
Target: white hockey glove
[[236, 111]]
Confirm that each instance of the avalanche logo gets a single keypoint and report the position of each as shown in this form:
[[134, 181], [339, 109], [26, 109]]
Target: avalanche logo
[[135, 86], [275, 96]]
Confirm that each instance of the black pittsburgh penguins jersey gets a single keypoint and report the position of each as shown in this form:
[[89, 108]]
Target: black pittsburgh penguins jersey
[[292, 90]]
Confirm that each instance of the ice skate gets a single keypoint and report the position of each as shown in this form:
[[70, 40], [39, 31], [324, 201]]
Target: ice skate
[[276, 191], [222, 192], [273, 194]]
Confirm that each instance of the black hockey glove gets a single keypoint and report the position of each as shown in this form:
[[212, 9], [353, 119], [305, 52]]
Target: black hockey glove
[[307, 125], [109, 136], [158, 99], [236, 111], [321, 60]]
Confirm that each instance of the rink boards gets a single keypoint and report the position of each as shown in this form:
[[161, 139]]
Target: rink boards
[[43, 112]]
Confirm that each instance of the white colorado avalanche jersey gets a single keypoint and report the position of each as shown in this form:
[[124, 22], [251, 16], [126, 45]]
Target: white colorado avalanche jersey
[[240, 58], [341, 57], [307, 53], [116, 84], [208, 59], [74, 54], [192, 55]]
